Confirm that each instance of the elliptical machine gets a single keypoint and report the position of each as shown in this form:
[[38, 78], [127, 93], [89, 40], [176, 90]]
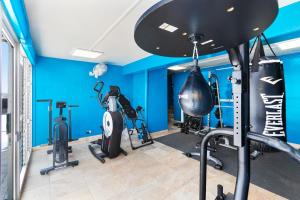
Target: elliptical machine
[[112, 127], [60, 143]]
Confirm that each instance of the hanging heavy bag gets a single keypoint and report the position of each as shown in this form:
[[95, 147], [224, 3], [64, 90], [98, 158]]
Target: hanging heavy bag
[[195, 97], [267, 95]]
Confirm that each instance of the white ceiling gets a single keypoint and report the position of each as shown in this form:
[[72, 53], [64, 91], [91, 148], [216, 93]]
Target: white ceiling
[[60, 26], [283, 3]]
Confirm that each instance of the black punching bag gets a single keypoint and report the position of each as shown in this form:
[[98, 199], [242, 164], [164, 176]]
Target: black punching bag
[[195, 97], [267, 95]]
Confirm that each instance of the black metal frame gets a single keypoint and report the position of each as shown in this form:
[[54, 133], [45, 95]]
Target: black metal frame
[[239, 58], [50, 140], [138, 129], [70, 121], [211, 77], [101, 155]]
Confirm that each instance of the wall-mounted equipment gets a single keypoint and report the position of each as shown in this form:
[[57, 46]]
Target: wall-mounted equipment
[[98, 70]]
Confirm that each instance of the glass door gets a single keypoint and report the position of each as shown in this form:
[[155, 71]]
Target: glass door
[[7, 116]]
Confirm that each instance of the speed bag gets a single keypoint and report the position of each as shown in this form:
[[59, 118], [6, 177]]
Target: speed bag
[[267, 99], [195, 96]]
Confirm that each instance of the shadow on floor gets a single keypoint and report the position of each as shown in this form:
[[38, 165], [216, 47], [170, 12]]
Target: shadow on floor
[[275, 172]]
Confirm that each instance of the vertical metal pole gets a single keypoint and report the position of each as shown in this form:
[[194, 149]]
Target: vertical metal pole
[[203, 168], [208, 115], [70, 123], [240, 84], [203, 157], [54, 145], [50, 139], [67, 143]]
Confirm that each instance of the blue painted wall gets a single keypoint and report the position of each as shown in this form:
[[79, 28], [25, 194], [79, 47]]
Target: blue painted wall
[[65, 80], [139, 90], [291, 71], [149, 90], [286, 26], [157, 100], [69, 81]]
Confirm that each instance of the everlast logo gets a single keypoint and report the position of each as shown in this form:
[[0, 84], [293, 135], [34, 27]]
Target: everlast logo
[[274, 123]]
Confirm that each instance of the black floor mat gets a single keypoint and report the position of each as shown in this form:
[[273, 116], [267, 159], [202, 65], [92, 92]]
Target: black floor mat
[[275, 172]]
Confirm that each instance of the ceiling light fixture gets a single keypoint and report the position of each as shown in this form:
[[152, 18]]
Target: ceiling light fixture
[[184, 34], [163, 26], [86, 53], [168, 27], [206, 42], [256, 29], [289, 44], [176, 68], [230, 9]]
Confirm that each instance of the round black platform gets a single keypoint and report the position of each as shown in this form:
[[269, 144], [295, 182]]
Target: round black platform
[[223, 24]]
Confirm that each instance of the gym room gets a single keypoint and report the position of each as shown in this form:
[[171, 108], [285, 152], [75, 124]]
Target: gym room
[[149, 100]]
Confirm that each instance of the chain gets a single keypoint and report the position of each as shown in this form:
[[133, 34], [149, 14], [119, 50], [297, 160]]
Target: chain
[[195, 53]]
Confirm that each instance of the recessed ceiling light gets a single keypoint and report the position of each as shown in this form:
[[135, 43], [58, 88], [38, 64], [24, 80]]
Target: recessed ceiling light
[[176, 68], [163, 26], [184, 34], [168, 27], [206, 42], [86, 53], [171, 29], [157, 48], [230, 9], [256, 29], [212, 45], [289, 44]]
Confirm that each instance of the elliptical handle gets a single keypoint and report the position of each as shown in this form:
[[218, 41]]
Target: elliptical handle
[[99, 86]]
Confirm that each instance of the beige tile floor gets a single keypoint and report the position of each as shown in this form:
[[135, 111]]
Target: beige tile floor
[[153, 172]]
